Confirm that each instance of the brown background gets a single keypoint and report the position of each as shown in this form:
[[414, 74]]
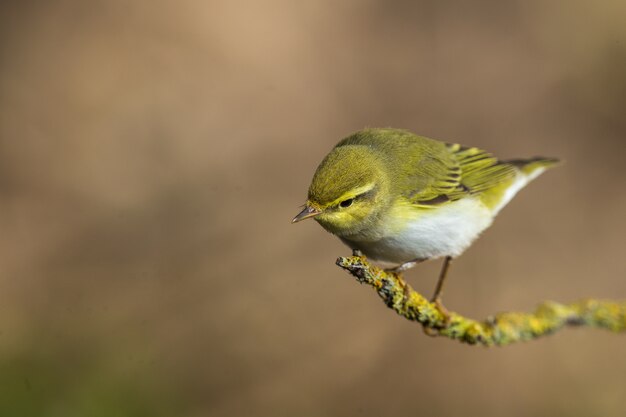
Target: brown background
[[152, 155]]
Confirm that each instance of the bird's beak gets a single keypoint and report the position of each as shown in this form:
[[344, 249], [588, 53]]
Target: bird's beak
[[306, 213]]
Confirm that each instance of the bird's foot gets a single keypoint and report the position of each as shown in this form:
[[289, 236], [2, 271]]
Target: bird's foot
[[403, 267], [442, 310], [356, 252], [430, 331]]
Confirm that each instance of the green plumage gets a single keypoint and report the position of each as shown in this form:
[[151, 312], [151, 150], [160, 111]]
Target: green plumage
[[426, 172]]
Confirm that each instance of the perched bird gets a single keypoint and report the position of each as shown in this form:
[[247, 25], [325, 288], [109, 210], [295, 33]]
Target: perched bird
[[402, 199]]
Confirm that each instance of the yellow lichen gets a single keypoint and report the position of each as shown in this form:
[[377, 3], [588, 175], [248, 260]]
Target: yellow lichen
[[502, 329]]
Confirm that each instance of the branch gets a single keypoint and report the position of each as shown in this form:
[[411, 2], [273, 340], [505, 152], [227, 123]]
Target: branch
[[501, 329]]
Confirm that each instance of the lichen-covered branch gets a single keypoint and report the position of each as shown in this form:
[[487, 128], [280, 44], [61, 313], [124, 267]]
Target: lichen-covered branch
[[501, 329]]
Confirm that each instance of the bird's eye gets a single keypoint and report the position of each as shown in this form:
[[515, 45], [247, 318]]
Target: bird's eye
[[346, 203]]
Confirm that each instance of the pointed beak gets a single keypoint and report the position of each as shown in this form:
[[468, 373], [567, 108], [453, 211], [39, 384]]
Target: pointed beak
[[305, 214]]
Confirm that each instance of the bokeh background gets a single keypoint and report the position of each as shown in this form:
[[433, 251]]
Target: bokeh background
[[152, 155]]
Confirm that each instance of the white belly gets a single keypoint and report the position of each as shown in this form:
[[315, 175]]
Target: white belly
[[434, 233]]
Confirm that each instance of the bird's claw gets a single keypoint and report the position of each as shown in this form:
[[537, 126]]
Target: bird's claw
[[432, 331]]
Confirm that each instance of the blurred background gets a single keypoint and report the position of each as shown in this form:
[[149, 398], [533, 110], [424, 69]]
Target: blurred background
[[152, 155]]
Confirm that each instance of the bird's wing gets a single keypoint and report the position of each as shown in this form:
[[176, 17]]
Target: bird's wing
[[481, 171], [456, 173]]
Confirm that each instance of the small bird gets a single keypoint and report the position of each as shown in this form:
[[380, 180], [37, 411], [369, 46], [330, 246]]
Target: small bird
[[402, 199]]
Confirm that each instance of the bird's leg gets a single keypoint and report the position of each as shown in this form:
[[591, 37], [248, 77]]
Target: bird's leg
[[407, 265], [439, 289], [437, 297], [442, 278]]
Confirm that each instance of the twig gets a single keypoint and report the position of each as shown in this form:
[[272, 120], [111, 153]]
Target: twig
[[501, 329]]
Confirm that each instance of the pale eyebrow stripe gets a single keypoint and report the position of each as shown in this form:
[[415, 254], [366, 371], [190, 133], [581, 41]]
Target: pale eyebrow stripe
[[355, 193]]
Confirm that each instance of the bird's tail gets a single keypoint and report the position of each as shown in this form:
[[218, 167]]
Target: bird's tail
[[532, 167]]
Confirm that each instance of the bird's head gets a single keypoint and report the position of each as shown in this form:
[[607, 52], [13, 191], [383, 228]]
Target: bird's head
[[348, 191]]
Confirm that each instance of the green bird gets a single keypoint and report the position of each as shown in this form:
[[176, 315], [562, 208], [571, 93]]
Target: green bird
[[401, 199]]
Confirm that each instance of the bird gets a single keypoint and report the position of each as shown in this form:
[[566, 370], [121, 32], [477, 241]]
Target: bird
[[402, 199]]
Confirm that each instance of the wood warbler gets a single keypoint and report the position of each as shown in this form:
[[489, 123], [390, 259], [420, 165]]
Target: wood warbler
[[402, 199]]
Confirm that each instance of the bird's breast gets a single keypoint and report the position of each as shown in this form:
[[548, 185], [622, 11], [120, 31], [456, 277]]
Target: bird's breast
[[426, 233]]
